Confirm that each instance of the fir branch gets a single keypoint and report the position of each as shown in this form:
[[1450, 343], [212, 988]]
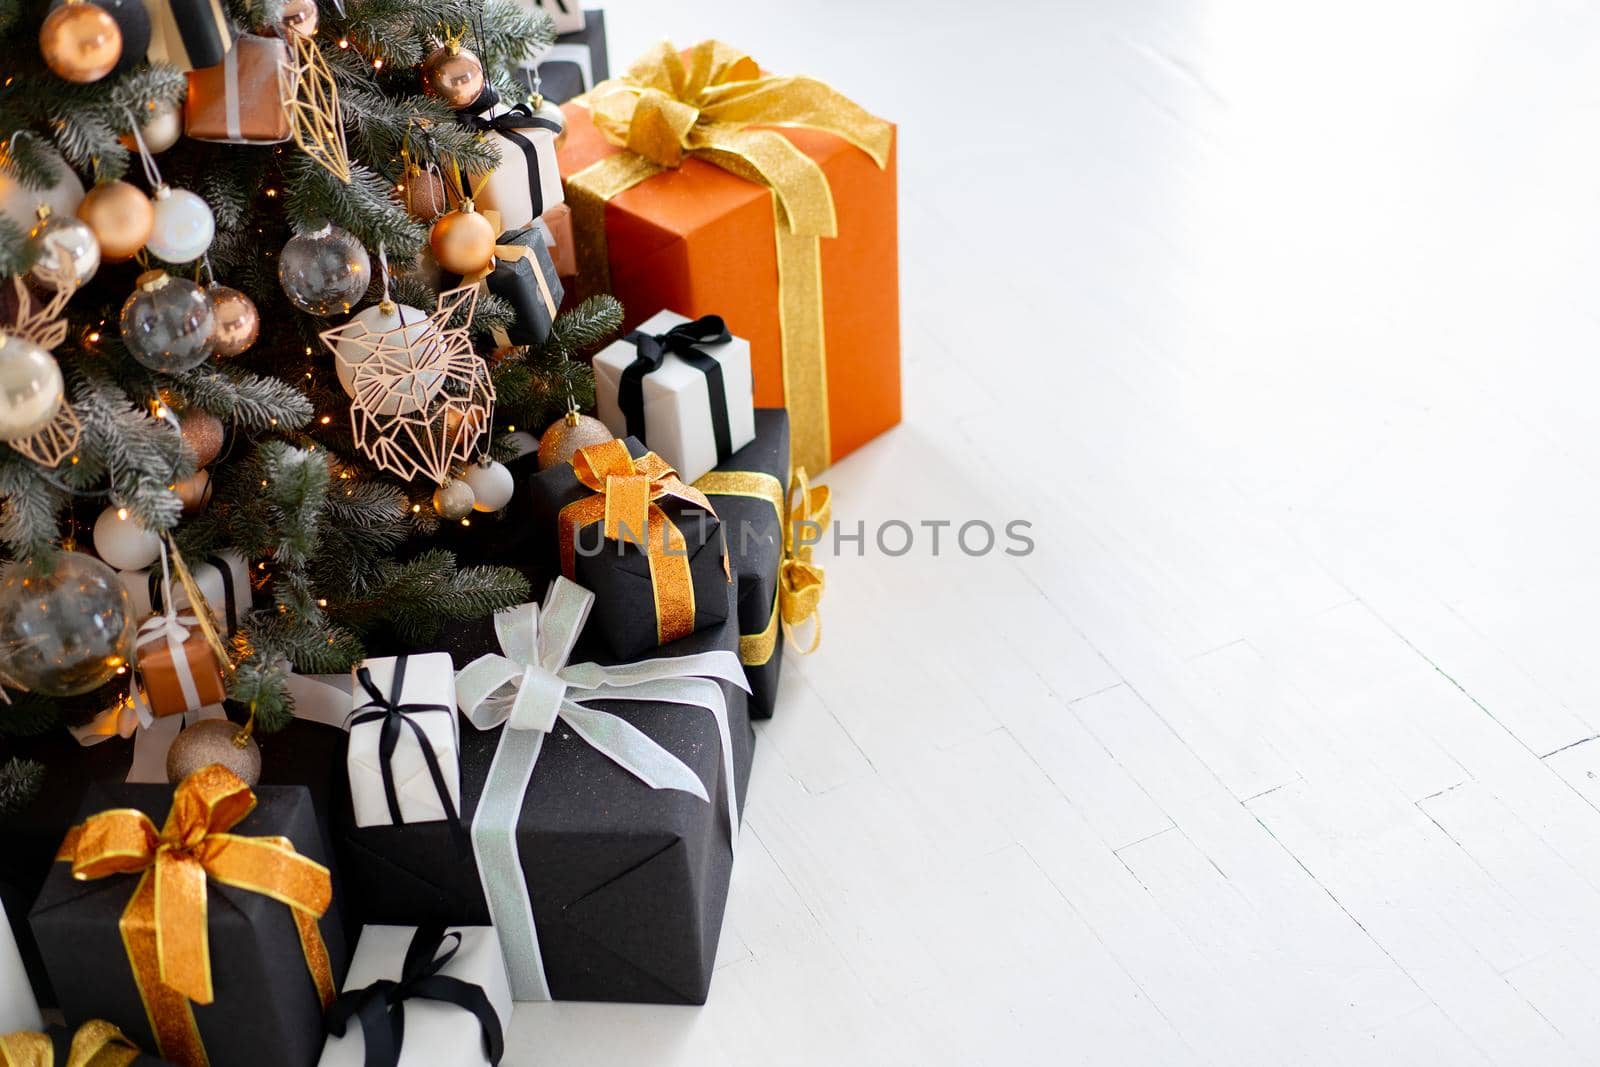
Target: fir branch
[[20, 782], [254, 402], [593, 323], [365, 206]]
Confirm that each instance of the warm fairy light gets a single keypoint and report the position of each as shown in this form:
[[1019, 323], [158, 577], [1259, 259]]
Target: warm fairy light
[[511, 429], [344, 42], [122, 513], [271, 193], [466, 522], [94, 337], [416, 509], [377, 64], [322, 603], [161, 411], [74, 460], [273, 421], [308, 352], [263, 483], [326, 419]]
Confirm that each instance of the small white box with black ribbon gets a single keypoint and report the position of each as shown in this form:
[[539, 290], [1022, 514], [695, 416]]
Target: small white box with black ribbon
[[404, 742], [682, 387], [527, 183]]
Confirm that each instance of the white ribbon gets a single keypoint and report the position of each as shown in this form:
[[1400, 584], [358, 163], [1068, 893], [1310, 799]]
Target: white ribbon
[[230, 94], [527, 690]]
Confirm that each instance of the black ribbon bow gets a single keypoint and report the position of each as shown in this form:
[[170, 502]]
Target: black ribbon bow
[[381, 1006], [395, 715], [684, 341], [510, 125]]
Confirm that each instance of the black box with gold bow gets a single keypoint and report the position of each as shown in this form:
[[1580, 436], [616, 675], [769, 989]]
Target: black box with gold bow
[[750, 492], [651, 548], [197, 920]]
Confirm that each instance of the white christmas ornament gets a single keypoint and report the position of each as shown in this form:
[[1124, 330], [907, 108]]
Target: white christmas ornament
[[184, 226], [20, 203], [31, 389], [404, 337], [123, 542], [492, 485], [454, 499]]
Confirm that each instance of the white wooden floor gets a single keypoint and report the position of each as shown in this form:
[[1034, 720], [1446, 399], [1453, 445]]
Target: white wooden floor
[[1281, 323]]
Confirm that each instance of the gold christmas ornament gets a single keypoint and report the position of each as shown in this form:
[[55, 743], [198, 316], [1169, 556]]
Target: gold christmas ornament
[[121, 216], [544, 109], [437, 365], [80, 42], [238, 323], [194, 491], [214, 741], [454, 75], [300, 16], [423, 195], [463, 240], [44, 326], [202, 432], [562, 439], [160, 126], [311, 98]]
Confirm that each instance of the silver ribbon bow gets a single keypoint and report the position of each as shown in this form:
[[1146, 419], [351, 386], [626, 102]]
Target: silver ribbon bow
[[528, 689]]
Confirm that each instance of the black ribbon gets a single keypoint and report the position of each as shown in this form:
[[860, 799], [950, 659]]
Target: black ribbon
[[684, 341], [380, 1007], [207, 37], [394, 715], [510, 126], [230, 595]]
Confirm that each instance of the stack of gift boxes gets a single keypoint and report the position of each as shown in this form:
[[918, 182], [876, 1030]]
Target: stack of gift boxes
[[545, 804]]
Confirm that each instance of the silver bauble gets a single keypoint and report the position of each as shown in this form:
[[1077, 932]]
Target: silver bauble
[[63, 252], [168, 323], [31, 389], [453, 499], [492, 485], [184, 226], [325, 272], [67, 631], [212, 741]]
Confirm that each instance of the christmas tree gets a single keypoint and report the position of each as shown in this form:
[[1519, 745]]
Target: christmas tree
[[375, 158]]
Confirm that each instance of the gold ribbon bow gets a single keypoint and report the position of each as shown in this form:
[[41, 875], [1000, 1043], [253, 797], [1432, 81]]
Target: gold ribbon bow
[[706, 104], [164, 925], [801, 581], [96, 1044], [626, 491]]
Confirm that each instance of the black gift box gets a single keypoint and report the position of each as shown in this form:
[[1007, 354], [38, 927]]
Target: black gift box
[[266, 1010], [754, 530], [628, 883], [515, 281], [561, 79], [618, 573]]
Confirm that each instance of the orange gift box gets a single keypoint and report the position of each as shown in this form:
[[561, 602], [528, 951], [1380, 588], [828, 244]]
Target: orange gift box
[[179, 675], [699, 240]]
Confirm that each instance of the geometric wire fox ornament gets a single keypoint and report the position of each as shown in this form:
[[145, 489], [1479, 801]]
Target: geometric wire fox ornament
[[311, 98], [422, 397], [45, 328]]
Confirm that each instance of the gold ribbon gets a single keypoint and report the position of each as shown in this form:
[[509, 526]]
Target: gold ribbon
[[669, 106], [96, 1043], [625, 494], [800, 581], [164, 927]]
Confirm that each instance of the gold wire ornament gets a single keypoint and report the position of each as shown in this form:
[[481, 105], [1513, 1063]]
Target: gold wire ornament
[[451, 397], [311, 97], [44, 326]]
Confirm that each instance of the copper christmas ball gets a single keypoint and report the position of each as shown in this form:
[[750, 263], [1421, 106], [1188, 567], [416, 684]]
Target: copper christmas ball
[[80, 42], [121, 217], [561, 441], [214, 741], [454, 75], [238, 321], [194, 491], [201, 431], [423, 194], [300, 16], [462, 241]]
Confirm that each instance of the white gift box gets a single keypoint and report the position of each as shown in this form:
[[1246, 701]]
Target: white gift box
[[224, 580], [508, 189], [429, 679], [677, 399], [567, 13], [18, 1008], [436, 1033]]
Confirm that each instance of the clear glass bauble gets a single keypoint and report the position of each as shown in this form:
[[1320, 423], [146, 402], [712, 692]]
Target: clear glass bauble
[[66, 631], [326, 272], [63, 252], [168, 323], [31, 389]]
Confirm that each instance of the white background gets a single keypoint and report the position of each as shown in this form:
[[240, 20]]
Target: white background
[[1279, 321]]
